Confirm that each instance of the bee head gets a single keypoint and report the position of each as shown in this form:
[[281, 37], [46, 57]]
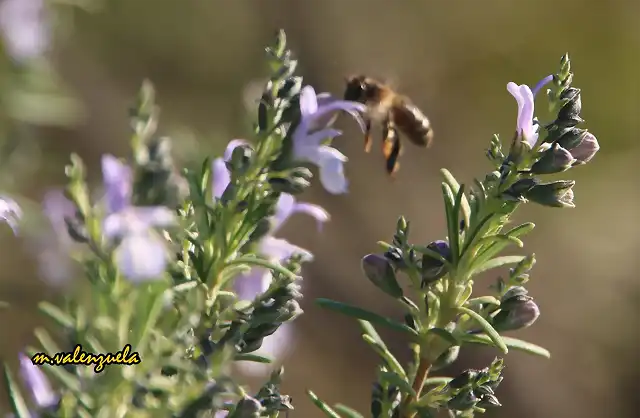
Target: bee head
[[356, 88]]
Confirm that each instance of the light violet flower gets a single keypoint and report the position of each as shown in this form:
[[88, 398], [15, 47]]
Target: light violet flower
[[10, 213], [526, 129], [37, 384], [257, 281], [24, 28], [311, 132], [53, 246], [141, 254]]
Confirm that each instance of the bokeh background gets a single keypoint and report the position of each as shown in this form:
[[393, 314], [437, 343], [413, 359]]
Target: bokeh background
[[454, 59]]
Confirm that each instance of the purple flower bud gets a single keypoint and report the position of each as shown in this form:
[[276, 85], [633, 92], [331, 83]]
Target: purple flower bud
[[433, 269], [37, 383], [557, 194], [582, 145], [380, 272], [248, 407], [464, 400], [276, 346], [569, 115], [522, 315], [554, 160]]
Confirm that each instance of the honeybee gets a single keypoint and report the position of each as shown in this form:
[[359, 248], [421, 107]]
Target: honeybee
[[395, 112]]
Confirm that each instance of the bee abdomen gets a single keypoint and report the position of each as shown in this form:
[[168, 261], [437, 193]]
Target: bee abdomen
[[414, 124]]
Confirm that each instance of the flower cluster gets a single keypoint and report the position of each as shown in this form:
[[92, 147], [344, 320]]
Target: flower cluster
[[185, 266]]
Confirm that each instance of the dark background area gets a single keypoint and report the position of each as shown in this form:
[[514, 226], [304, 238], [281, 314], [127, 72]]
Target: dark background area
[[454, 59]]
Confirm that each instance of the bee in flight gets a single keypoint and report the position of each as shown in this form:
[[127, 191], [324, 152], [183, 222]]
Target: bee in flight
[[395, 112]]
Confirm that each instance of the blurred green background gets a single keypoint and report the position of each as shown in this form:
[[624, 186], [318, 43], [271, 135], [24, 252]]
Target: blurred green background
[[454, 59]]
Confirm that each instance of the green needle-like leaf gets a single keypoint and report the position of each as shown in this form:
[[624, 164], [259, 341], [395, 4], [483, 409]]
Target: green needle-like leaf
[[394, 379], [252, 357], [495, 263], [512, 343], [328, 411], [486, 326], [348, 412], [369, 330], [365, 315], [386, 355], [453, 224], [435, 381], [521, 230], [18, 405], [64, 320], [464, 206]]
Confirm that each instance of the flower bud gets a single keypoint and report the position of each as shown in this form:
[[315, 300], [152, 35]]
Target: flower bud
[[240, 159], [290, 311], [266, 102], [582, 145], [291, 86], [463, 401], [520, 187], [431, 268], [380, 272], [463, 379], [520, 312], [554, 160], [557, 194], [569, 114], [514, 292], [261, 229], [513, 302], [76, 229], [248, 408], [290, 185], [396, 257]]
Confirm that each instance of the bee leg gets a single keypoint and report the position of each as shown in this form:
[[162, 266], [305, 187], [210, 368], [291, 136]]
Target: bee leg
[[367, 135], [391, 147]]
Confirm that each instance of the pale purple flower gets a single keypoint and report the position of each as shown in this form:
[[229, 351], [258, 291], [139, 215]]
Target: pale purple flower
[[312, 131], [118, 183], [10, 212], [526, 129], [257, 281], [141, 254], [24, 28], [54, 246], [37, 383]]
